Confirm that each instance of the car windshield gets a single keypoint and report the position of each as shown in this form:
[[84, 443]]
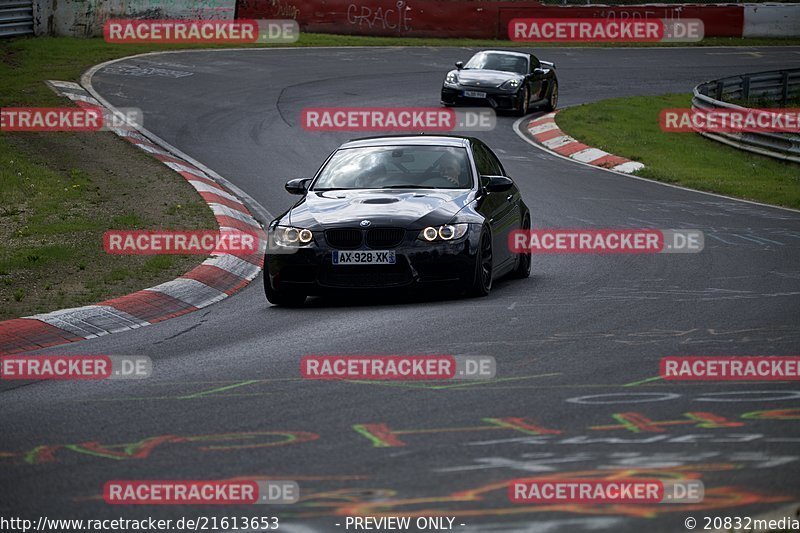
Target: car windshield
[[498, 61], [396, 167]]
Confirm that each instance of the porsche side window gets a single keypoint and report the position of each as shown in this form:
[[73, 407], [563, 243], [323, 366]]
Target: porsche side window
[[534, 63]]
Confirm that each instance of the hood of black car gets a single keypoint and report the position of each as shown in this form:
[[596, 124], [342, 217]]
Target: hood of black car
[[415, 208], [484, 78]]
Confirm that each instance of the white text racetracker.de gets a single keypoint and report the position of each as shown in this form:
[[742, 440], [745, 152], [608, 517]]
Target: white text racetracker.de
[[399, 523]]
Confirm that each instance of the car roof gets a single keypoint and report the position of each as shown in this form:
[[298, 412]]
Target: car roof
[[420, 140], [509, 52]]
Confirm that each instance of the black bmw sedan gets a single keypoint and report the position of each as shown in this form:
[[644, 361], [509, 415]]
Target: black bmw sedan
[[506, 81], [398, 211]]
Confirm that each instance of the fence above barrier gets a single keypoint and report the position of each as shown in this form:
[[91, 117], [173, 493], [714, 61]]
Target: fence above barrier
[[16, 17]]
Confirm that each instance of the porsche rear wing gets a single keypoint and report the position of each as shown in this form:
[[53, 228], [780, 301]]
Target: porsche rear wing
[[548, 64]]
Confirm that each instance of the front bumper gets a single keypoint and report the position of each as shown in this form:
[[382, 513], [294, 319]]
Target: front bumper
[[311, 270], [495, 98]]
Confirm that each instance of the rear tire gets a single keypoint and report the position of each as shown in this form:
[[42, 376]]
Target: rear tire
[[282, 298], [482, 284], [552, 99], [523, 269]]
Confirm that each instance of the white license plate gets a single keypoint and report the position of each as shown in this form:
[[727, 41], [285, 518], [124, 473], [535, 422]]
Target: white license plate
[[474, 94], [373, 257]]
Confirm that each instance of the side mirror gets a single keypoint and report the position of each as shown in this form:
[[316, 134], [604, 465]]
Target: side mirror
[[496, 183], [297, 186], [459, 65], [538, 71]]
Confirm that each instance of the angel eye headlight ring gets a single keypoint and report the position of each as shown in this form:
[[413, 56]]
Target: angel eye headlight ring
[[447, 232], [305, 236], [291, 235], [430, 233]]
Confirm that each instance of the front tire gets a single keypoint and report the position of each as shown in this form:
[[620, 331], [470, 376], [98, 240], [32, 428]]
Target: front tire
[[524, 104], [552, 99], [282, 298], [523, 269], [482, 284]]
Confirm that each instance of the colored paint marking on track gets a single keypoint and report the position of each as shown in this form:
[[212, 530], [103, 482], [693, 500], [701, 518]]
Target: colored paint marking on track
[[209, 392]]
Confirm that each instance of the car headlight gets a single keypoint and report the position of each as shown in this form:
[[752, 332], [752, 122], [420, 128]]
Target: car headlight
[[451, 80], [291, 236], [447, 232], [511, 84]]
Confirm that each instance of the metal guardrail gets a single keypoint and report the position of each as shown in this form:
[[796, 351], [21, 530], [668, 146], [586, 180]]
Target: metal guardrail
[[16, 17], [777, 86]]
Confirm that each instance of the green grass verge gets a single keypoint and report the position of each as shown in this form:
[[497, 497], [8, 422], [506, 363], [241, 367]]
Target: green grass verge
[[629, 127], [59, 192]]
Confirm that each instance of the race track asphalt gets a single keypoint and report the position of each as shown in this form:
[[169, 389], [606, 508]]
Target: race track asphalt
[[575, 344]]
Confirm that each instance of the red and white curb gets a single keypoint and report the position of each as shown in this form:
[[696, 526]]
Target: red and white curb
[[215, 279], [546, 132]]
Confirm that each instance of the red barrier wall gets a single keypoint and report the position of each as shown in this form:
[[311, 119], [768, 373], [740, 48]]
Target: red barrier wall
[[465, 18], [719, 20]]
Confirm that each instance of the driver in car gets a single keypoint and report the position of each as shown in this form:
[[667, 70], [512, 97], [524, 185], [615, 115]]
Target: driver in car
[[450, 168]]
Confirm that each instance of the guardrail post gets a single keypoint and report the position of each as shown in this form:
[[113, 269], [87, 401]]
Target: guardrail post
[[746, 88], [718, 92]]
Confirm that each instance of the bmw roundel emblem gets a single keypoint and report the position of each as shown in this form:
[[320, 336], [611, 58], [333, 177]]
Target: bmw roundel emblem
[[365, 223]]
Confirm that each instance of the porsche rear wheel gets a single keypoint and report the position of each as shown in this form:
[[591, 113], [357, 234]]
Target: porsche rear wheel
[[482, 284]]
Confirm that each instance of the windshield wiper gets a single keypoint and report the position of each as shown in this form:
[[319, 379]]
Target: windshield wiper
[[405, 187]]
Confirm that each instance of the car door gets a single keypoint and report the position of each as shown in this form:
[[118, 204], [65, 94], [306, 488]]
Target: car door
[[535, 79], [500, 207]]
